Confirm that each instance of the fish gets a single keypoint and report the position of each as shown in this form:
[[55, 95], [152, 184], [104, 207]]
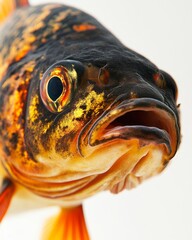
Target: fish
[[80, 113]]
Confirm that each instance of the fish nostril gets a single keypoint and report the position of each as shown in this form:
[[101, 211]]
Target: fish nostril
[[133, 95], [159, 80], [146, 91], [169, 85]]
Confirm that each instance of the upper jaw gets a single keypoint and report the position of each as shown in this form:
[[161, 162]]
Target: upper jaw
[[146, 119]]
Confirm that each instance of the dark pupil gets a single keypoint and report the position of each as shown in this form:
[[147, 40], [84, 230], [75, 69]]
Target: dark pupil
[[55, 88]]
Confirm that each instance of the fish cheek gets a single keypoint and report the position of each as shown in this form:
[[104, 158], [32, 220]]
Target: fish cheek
[[38, 121], [13, 94]]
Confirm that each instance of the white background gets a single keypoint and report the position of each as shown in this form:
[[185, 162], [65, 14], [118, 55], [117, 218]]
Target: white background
[[161, 208]]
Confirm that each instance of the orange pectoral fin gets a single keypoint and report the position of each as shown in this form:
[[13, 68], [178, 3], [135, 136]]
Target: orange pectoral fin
[[68, 225], [6, 194]]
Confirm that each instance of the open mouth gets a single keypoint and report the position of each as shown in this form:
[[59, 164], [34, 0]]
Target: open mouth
[[137, 117], [146, 119]]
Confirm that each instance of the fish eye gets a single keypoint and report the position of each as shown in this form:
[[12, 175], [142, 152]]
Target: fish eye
[[56, 87], [59, 83]]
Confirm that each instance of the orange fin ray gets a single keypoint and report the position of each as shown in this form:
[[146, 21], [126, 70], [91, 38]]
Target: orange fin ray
[[69, 225], [8, 7], [6, 194]]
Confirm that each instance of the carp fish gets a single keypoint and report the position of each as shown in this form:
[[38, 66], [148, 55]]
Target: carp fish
[[80, 113]]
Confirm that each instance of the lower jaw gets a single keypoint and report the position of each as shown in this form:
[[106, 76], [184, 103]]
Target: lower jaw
[[136, 164], [147, 166], [128, 171]]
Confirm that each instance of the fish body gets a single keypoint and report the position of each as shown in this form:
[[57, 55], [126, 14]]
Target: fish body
[[79, 111]]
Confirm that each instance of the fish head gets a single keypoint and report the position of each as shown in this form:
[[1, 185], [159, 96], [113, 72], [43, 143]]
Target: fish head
[[100, 125]]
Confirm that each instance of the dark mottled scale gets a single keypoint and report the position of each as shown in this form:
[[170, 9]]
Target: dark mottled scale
[[34, 39]]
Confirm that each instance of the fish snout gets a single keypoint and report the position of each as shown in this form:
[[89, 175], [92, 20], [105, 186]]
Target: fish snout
[[146, 119], [146, 91], [150, 130]]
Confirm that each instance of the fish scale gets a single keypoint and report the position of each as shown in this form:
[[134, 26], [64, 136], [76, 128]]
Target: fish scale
[[80, 113]]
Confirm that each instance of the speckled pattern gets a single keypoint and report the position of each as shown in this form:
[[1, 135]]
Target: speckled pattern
[[36, 143]]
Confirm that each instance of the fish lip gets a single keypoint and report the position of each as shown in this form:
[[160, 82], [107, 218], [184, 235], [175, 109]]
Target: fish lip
[[166, 132]]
